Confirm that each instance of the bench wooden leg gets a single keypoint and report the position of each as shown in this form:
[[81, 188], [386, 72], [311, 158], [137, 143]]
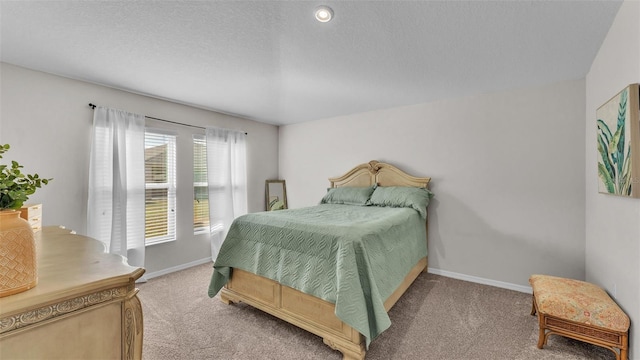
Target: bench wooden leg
[[533, 305], [624, 355], [542, 335]]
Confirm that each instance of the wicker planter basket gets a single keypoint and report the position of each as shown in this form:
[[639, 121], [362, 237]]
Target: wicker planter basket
[[18, 266]]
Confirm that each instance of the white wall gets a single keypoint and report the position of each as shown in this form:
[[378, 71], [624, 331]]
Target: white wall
[[47, 121], [613, 223], [507, 172]]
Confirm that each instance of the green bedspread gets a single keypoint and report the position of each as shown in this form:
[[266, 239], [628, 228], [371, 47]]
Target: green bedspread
[[352, 256]]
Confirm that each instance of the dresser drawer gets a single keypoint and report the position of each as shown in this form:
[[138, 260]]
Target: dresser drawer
[[33, 214], [29, 211], [36, 223]]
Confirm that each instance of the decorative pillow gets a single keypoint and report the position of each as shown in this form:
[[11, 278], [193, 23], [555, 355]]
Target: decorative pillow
[[402, 196], [348, 195]]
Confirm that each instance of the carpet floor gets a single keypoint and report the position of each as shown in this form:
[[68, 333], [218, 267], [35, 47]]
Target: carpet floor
[[437, 318]]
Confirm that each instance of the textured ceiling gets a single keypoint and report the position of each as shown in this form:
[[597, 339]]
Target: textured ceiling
[[271, 61]]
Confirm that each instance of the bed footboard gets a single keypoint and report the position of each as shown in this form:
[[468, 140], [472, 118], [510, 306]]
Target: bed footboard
[[305, 311]]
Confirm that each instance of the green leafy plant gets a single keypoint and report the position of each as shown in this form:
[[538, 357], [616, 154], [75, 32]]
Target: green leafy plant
[[614, 166], [16, 187]]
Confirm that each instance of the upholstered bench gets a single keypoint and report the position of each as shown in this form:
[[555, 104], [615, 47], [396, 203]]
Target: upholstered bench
[[581, 311]]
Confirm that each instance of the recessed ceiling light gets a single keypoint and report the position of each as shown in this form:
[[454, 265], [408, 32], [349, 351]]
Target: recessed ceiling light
[[323, 13]]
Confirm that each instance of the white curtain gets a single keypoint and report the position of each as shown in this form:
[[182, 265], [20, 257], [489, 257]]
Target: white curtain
[[116, 205], [227, 181]]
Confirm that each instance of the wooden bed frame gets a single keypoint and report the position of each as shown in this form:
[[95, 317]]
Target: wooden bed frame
[[311, 313]]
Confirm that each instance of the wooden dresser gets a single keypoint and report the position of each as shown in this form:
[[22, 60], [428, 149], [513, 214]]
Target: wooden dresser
[[85, 305]]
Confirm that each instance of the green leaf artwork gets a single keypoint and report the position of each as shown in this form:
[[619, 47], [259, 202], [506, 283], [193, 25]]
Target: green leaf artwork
[[614, 167]]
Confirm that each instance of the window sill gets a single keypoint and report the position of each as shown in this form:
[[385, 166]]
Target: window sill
[[160, 241], [201, 232]]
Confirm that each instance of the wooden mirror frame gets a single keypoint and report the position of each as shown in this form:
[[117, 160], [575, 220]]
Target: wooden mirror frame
[[268, 200]]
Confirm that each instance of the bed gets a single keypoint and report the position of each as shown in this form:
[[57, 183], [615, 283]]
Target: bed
[[339, 276]]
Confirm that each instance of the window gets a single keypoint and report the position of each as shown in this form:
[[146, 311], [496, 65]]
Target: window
[[160, 187], [200, 188]]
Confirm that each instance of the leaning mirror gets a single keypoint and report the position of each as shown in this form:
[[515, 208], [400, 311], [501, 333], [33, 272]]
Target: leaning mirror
[[276, 195]]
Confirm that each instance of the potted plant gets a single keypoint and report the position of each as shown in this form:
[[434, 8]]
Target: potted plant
[[18, 268]]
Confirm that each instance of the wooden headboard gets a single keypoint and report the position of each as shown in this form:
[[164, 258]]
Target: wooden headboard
[[375, 172]]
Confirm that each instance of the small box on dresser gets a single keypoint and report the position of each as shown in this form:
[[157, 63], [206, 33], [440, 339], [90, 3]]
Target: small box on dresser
[[33, 214]]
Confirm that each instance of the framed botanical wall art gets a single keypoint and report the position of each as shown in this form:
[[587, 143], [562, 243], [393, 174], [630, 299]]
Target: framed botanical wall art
[[619, 144]]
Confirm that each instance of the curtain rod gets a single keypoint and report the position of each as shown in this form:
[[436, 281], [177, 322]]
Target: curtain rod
[[93, 106]]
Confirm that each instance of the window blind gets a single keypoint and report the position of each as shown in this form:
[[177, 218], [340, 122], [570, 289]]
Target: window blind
[[200, 189], [160, 187]]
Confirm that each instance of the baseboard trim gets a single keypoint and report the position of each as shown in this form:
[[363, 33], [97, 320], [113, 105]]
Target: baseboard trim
[[451, 274], [177, 268], [479, 280]]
